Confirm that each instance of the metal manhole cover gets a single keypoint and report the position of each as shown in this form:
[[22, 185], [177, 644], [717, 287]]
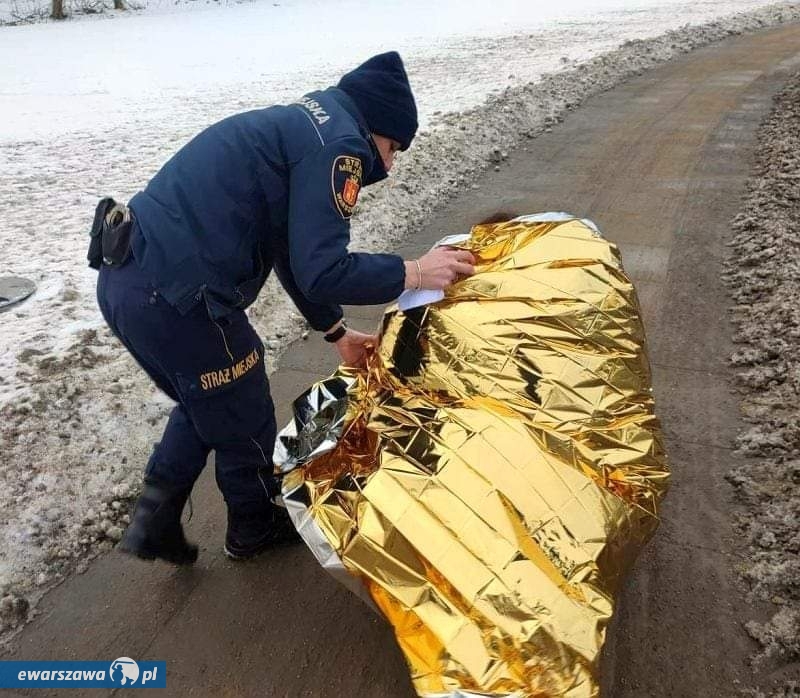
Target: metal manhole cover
[[14, 289]]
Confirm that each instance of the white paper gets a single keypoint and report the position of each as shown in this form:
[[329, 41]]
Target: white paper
[[414, 299]]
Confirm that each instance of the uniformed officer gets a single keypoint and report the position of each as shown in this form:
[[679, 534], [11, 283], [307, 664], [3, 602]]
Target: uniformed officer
[[267, 189]]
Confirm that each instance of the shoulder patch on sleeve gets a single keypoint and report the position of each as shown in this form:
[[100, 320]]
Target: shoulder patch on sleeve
[[346, 182]]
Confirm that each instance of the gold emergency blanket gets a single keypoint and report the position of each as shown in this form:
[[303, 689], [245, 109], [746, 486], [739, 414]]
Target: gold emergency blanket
[[491, 476]]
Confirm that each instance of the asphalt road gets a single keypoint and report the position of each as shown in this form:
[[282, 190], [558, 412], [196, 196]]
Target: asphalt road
[[660, 165]]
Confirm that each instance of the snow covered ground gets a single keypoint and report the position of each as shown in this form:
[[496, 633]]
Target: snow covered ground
[[93, 105]]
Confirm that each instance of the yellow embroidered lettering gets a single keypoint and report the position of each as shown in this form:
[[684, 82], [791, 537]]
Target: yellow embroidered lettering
[[223, 376]]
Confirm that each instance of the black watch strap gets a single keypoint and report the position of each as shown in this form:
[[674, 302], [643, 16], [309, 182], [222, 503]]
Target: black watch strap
[[337, 334]]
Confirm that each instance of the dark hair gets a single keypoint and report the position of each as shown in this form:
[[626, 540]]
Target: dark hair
[[498, 217]]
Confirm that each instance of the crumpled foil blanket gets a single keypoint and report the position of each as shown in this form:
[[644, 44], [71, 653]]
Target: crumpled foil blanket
[[487, 481]]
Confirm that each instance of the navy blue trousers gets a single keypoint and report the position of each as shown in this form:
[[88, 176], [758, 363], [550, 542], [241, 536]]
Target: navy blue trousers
[[214, 371]]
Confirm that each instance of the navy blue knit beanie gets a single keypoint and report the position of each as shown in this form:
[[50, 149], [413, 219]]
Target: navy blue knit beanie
[[380, 89]]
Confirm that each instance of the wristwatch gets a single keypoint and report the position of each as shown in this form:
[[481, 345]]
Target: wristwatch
[[337, 334]]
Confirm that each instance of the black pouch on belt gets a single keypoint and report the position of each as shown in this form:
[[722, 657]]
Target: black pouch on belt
[[110, 236]]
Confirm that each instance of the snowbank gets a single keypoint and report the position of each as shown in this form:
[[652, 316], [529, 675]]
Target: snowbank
[[763, 274]]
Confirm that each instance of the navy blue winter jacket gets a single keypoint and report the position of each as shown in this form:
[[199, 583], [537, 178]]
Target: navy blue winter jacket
[[271, 188]]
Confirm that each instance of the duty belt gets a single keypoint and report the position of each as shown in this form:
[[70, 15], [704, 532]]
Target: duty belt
[[110, 236]]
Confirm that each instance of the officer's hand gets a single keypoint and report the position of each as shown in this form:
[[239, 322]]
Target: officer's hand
[[440, 267], [354, 347]]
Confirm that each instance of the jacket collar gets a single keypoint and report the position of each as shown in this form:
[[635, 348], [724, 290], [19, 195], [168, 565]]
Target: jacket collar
[[377, 172], [345, 101]]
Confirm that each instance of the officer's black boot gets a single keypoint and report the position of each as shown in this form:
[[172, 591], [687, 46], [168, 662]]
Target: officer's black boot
[[251, 534], [156, 530]]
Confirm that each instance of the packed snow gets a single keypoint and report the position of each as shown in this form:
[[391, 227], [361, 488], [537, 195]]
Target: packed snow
[[763, 275], [95, 105]]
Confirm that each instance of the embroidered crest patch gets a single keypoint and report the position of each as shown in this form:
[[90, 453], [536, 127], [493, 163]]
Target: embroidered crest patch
[[346, 182]]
